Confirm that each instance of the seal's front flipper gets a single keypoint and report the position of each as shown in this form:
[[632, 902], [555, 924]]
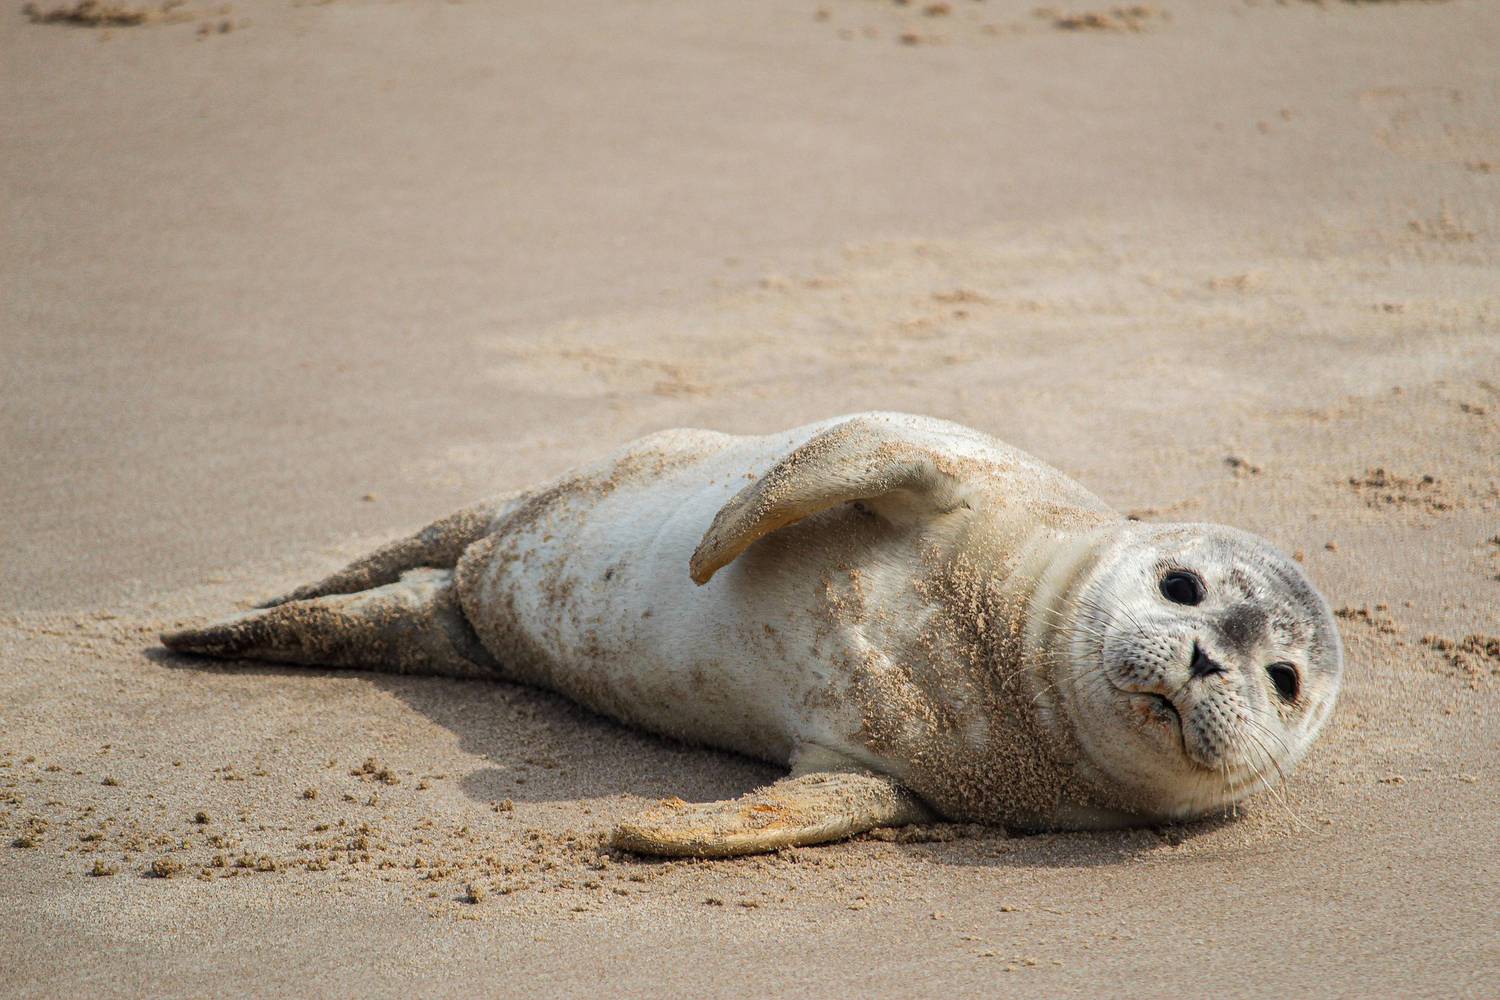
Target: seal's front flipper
[[412, 626], [794, 812]]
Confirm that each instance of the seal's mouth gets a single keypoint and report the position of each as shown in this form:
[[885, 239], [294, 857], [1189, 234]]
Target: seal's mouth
[[1158, 712], [1159, 715], [1162, 705]]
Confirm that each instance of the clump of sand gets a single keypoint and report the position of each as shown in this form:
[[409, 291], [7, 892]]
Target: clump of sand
[[1380, 487], [100, 14], [1474, 655], [164, 867], [1129, 18]]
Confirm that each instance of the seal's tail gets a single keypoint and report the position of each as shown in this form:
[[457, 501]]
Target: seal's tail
[[412, 626]]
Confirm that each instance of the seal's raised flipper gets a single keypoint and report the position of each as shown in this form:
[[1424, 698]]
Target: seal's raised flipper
[[412, 626], [438, 545], [864, 459], [794, 812]]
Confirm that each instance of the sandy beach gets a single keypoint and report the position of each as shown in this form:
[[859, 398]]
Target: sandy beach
[[280, 281]]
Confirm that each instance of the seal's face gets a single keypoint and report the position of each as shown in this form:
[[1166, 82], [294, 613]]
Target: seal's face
[[1203, 664]]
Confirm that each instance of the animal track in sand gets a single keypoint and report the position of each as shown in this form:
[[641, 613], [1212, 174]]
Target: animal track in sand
[[937, 22], [1381, 488], [1438, 124], [1474, 656], [1377, 618], [101, 14], [1133, 17], [106, 15]]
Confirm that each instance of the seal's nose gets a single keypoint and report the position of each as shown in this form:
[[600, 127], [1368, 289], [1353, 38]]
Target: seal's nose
[[1203, 665]]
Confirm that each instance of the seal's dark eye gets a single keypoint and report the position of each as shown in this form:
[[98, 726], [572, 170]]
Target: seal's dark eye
[[1284, 676], [1182, 588]]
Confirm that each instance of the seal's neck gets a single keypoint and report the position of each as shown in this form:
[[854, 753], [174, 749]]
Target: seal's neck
[[1008, 597], [1057, 568], [1050, 575]]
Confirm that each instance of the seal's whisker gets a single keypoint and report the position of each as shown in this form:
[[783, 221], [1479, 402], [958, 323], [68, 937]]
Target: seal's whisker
[[1261, 727], [1119, 606], [1279, 790]]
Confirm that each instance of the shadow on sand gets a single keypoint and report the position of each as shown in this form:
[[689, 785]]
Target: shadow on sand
[[541, 747], [544, 748]]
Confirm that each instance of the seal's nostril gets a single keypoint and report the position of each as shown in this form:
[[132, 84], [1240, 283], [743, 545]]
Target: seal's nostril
[[1202, 664]]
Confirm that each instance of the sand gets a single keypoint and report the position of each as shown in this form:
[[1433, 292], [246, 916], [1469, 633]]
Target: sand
[[275, 293]]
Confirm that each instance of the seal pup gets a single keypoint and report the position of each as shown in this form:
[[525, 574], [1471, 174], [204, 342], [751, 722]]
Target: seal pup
[[917, 619]]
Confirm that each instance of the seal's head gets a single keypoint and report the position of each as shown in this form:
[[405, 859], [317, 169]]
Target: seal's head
[[1202, 665]]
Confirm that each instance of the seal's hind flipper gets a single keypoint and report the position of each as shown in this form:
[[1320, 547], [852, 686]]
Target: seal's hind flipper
[[438, 545], [794, 812], [412, 626]]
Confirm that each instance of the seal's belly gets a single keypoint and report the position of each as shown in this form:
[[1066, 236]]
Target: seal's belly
[[584, 589]]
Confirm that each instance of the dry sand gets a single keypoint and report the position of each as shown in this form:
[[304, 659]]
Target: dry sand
[[281, 281]]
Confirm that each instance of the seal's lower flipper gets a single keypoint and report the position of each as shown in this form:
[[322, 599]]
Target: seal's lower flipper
[[438, 545], [794, 812], [412, 626]]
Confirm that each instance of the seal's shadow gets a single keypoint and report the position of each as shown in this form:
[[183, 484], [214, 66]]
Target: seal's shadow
[[1082, 849], [543, 748], [540, 746], [546, 748]]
